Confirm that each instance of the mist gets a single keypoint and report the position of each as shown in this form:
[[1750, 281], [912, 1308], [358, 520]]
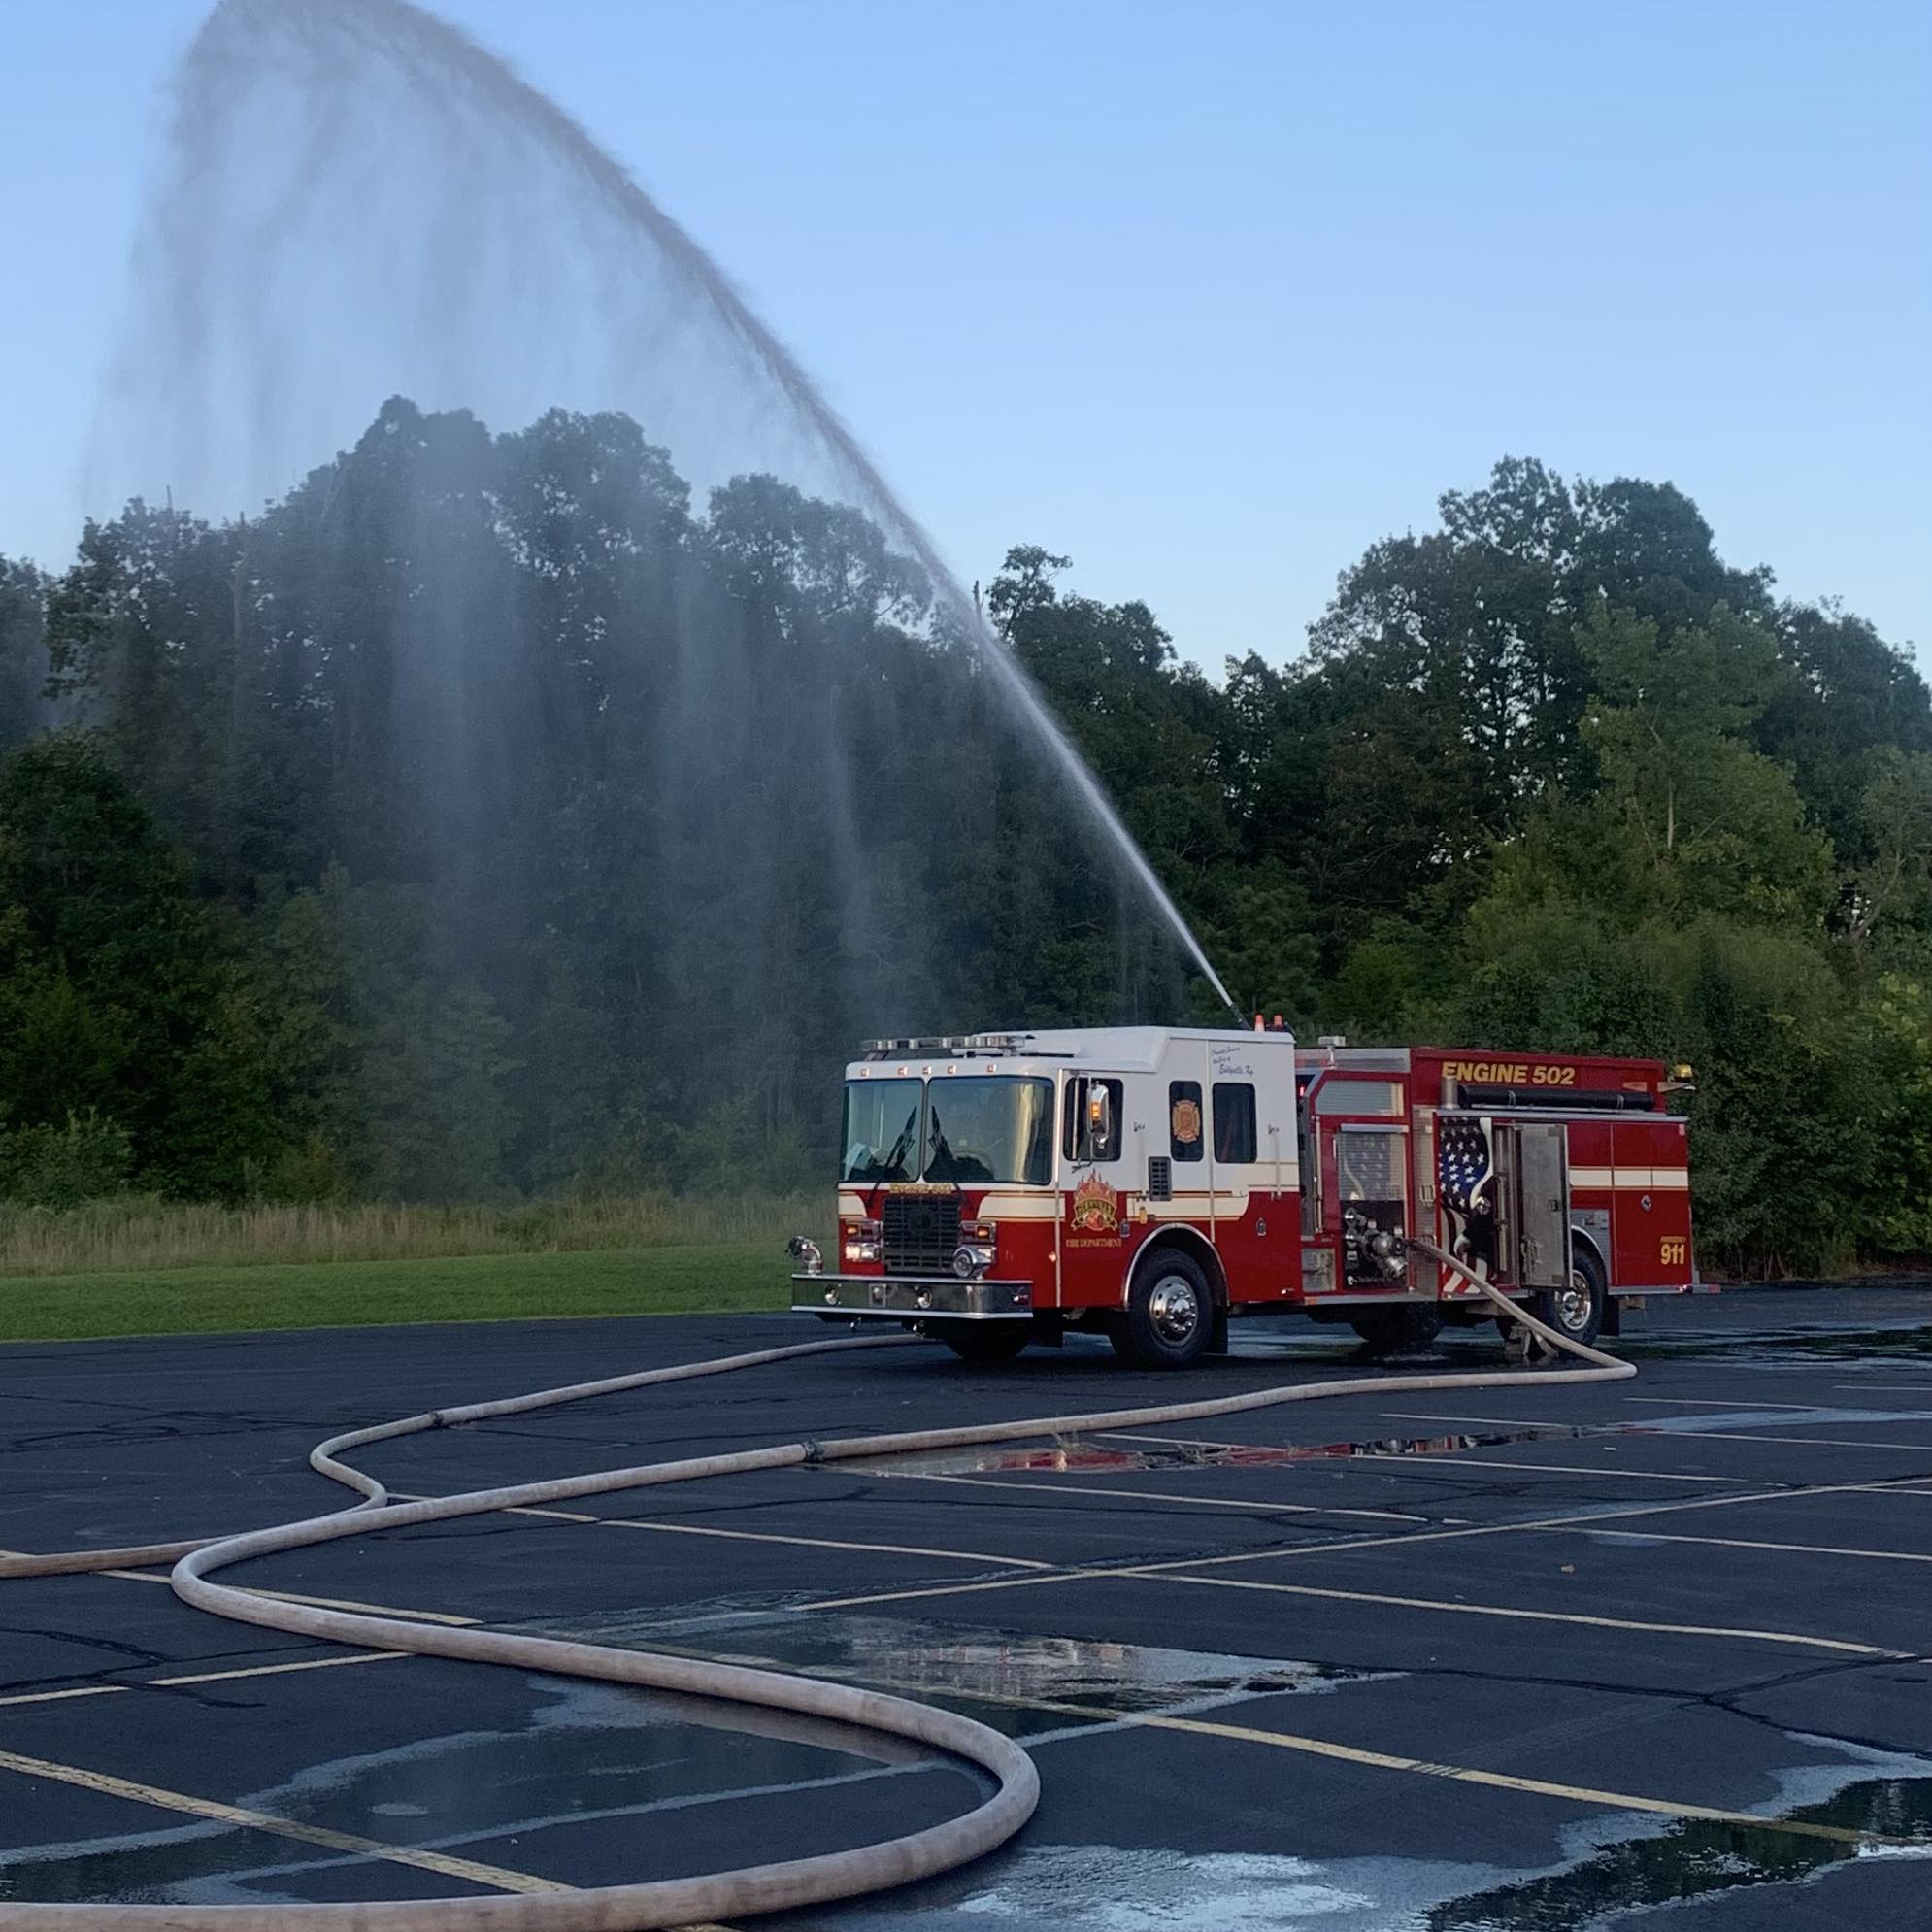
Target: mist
[[358, 201]]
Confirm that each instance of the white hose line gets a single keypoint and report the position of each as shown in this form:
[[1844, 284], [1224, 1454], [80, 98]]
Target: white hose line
[[322, 1457], [662, 1903]]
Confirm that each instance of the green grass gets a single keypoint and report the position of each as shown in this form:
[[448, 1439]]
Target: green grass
[[739, 1278]]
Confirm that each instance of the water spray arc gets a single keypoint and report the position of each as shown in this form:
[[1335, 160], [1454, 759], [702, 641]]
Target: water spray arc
[[325, 61]]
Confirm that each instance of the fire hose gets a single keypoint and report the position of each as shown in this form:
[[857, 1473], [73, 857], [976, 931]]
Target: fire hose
[[666, 1902]]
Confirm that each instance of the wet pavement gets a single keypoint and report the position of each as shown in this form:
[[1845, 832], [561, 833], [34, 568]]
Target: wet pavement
[[1651, 1654]]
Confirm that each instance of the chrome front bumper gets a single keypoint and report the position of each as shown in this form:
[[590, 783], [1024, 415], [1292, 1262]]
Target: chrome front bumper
[[898, 1297]]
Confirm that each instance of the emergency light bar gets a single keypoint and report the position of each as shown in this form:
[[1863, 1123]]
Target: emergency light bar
[[943, 1043]]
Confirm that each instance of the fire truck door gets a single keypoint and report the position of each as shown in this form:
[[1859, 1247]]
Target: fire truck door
[[1534, 1208]]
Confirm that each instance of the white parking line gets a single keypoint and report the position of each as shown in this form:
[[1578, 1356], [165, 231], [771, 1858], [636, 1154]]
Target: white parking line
[[1749, 1542], [1689, 1435], [798, 1542], [1462, 1609], [1026, 1485], [1460, 1461], [1345, 1545], [1712, 1402], [205, 1677]]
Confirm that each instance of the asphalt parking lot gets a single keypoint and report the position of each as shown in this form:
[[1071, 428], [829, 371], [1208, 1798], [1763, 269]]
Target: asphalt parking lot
[[1511, 1658]]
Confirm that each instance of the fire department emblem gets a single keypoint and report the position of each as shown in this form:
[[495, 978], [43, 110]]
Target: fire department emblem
[[1185, 1121], [1094, 1208]]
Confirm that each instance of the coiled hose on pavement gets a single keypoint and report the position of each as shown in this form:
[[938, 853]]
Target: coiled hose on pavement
[[664, 1902]]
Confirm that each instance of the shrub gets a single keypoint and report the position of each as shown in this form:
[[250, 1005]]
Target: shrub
[[47, 1166]]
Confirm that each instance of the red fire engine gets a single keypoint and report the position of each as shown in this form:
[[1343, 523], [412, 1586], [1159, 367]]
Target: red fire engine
[[1151, 1182]]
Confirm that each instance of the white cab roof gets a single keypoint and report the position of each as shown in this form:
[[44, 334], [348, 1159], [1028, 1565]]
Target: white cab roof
[[1113, 1049]]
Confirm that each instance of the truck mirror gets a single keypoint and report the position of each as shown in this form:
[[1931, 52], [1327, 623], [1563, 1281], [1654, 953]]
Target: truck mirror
[[1099, 1121]]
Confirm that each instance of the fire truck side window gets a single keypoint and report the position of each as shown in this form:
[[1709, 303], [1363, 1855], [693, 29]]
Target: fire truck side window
[[1185, 1138], [1091, 1131], [1235, 1138]]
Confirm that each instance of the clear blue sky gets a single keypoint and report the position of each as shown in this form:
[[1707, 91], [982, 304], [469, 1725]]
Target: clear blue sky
[[1208, 295]]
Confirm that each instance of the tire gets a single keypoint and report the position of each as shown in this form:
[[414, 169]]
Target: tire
[[985, 1342], [1170, 1313], [1576, 1311], [1389, 1331]]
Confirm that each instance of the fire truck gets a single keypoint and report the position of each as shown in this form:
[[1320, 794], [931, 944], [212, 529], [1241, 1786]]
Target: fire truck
[[1154, 1183]]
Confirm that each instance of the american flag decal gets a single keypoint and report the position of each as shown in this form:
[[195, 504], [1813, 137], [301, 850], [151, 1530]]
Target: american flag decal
[[1466, 1171], [1463, 1162]]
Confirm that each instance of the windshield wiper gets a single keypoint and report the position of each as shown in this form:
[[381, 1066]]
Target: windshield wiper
[[894, 1162]]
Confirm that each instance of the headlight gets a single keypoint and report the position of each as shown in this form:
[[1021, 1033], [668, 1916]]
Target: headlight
[[856, 1250]]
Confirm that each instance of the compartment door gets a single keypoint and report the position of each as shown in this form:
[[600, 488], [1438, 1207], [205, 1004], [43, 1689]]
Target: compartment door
[[1651, 1209], [1535, 1202]]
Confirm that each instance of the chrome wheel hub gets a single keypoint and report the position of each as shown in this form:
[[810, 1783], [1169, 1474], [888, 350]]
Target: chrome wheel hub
[[1573, 1304], [1174, 1308]]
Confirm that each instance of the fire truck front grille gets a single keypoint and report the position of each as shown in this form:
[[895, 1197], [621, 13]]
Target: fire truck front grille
[[921, 1233]]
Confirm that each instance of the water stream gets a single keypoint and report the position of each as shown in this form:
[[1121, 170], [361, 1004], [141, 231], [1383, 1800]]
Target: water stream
[[358, 200]]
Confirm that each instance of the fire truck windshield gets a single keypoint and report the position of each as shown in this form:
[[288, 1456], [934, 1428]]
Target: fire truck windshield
[[991, 1127], [979, 1128], [884, 1132]]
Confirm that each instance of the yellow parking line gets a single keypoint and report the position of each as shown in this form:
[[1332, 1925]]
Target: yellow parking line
[[496, 1876], [1103, 1718], [1500, 1781], [1539, 1615]]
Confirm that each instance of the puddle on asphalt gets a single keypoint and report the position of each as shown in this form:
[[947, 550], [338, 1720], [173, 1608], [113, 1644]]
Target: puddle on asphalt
[[1084, 1456], [1783, 1416], [590, 1751], [1903, 1348], [1695, 1856], [581, 1752], [1899, 1347], [1013, 1674], [1079, 1455], [1110, 1888]]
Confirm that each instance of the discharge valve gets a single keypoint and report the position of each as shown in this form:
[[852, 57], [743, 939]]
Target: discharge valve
[[1373, 1249]]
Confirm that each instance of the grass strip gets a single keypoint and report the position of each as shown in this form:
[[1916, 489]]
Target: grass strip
[[721, 1279]]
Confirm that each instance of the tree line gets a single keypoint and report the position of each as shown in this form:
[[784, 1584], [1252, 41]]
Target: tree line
[[484, 818]]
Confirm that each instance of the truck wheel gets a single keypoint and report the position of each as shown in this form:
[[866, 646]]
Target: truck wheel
[[985, 1341], [1576, 1311], [1170, 1313], [1389, 1331]]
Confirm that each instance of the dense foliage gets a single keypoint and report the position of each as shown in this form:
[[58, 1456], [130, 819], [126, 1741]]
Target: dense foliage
[[481, 818]]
